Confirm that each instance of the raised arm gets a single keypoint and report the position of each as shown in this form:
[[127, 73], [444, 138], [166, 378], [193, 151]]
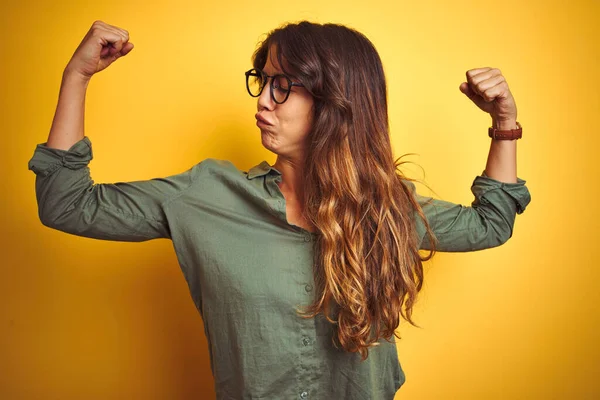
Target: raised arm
[[499, 194], [68, 199], [487, 223], [100, 47]]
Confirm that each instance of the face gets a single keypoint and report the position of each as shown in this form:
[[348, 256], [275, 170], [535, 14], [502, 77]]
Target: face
[[291, 121]]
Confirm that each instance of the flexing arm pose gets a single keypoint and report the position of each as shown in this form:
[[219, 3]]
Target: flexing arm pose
[[101, 46]]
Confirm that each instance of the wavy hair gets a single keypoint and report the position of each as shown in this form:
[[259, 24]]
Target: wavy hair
[[368, 269]]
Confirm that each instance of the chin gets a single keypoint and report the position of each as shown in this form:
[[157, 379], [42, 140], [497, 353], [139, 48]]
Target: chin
[[268, 141]]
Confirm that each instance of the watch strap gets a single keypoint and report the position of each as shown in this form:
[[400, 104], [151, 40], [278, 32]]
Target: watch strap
[[510, 134]]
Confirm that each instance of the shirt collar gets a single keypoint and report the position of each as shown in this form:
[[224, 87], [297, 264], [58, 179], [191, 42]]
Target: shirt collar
[[262, 169]]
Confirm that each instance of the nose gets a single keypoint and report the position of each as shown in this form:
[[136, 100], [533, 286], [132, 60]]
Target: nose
[[265, 100]]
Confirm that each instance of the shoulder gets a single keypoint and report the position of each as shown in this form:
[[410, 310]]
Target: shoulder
[[218, 164], [409, 184], [215, 167]]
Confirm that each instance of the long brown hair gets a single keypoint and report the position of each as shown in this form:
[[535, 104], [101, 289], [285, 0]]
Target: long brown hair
[[367, 263]]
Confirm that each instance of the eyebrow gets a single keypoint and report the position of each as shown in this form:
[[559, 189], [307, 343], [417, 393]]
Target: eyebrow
[[281, 73], [275, 73]]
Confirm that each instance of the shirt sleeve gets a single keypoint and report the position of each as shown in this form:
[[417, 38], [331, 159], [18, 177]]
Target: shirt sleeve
[[487, 223], [69, 201]]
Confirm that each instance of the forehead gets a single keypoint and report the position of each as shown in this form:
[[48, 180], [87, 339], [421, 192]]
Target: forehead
[[272, 64]]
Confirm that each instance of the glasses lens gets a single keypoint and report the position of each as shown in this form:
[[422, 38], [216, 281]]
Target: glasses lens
[[281, 88], [254, 82]]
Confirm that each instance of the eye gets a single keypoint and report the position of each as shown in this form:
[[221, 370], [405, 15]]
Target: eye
[[281, 83]]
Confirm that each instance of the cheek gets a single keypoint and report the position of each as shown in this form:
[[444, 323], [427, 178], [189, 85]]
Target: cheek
[[309, 119], [297, 118], [300, 125], [304, 116]]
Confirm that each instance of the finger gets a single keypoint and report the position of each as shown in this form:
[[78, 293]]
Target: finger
[[472, 72], [121, 36], [490, 94], [111, 42], [489, 83], [114, 46], [124, 34], [485, 80], [106, 33], [104, 27], [485, 75], [123, 31], [119, 42]]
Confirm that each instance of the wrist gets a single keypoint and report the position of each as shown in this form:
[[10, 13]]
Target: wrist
[[74, 77], [505, 125]]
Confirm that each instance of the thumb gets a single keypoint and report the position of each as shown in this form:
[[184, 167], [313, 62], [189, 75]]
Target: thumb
[[464, 87], [474, 97], [127, 47]]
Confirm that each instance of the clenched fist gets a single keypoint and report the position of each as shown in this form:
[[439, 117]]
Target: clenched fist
[[100, 47], [488, 89]]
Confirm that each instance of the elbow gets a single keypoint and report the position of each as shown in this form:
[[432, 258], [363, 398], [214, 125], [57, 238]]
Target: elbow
[[489, 236], [502, 234], [45, 221], [56, 217], [48, 219], [506, 236], [497, 228], [45, 217], [59, 209]]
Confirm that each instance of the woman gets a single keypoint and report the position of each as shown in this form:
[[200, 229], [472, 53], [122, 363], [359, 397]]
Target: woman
[[301, 269]]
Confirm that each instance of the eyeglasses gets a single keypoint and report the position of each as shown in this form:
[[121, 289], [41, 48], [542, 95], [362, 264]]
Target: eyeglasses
[[281, 85]]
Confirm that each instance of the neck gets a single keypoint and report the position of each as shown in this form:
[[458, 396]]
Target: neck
[[291, 178]]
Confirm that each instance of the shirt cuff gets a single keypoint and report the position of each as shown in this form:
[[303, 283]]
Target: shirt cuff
[[516, 190], [46, 159]]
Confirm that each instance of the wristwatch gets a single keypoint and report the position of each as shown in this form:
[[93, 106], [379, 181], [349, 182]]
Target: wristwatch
[[510, 134]]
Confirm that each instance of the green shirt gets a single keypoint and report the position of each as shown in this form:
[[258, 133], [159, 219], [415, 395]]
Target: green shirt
[[247, 268]]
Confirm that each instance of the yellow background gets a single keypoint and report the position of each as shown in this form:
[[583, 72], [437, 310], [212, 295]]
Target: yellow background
[[91, 319]]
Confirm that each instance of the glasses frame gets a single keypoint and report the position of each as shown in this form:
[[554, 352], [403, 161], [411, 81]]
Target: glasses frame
[[265, 79]]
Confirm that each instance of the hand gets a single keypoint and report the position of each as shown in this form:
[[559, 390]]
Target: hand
[[100, 47], [488, 89]]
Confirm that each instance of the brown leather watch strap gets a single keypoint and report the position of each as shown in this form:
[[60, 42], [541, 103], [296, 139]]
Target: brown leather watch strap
[[510, 134]]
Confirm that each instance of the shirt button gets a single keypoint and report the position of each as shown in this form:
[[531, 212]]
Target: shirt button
[[308, 288], [306, 341], [306, 238], [304, 395]]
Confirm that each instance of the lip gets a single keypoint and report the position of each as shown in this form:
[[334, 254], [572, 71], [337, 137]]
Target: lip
[[260, 118]]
